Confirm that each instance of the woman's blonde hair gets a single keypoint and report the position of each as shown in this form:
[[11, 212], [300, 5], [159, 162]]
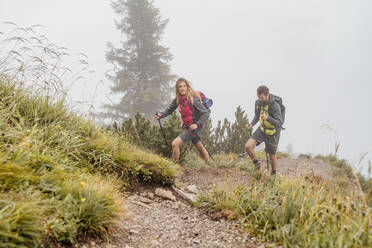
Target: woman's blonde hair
[[190, 94]]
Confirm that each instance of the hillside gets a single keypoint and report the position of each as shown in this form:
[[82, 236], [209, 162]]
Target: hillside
[[62, 177], [65, 181]]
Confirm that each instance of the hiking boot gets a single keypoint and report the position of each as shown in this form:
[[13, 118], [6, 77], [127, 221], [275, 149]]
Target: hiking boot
[[168, 182], [257, 165]]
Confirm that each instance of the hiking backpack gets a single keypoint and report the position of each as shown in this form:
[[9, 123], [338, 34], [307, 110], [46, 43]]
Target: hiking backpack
[[207, 102], [279, 100]]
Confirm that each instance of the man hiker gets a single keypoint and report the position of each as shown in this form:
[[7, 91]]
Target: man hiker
[[269, 113], [193, 113]]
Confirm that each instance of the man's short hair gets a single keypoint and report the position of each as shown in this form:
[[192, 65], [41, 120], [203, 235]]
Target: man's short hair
[[263, 89]]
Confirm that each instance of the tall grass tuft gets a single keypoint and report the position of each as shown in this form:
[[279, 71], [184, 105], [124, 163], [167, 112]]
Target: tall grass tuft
[[21, 220]]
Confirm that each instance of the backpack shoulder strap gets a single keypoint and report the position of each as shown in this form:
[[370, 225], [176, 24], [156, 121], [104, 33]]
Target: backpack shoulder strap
[[257, 107]]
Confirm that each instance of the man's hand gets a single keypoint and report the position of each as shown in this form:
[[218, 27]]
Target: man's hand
[[158, 116], [193, 126], [264, 117], [250, 127]]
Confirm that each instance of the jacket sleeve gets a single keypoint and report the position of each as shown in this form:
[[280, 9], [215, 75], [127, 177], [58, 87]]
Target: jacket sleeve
[[276, 119], [172, 107], [203, 111], [256, 115]]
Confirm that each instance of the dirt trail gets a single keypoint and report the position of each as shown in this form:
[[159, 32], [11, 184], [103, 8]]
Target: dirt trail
[[152, 221], [164, 223]]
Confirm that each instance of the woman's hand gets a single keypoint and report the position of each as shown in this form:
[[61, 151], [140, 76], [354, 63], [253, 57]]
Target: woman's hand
[[193, 126], [158, 116]]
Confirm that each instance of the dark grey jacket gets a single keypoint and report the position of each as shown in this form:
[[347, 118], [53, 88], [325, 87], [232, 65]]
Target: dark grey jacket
[[275, 114], [200, 113]]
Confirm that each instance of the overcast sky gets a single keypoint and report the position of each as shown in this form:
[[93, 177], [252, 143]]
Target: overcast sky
[[316, 54]]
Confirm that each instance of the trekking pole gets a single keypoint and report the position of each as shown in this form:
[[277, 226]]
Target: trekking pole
[[267, 162], [162, 131], [210, 155]]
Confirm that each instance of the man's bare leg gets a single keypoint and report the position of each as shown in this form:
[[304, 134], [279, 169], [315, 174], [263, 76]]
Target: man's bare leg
[[274, 162], [249, 147]]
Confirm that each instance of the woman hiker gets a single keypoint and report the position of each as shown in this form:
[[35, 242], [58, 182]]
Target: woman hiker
[[193, 113]]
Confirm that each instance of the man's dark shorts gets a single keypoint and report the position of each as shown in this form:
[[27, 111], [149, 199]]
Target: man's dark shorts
[[188, 135], [271, 141]]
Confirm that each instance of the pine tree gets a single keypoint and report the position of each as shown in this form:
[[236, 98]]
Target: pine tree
[[219, 137], [141, 71], [207, 137], [238, 133]]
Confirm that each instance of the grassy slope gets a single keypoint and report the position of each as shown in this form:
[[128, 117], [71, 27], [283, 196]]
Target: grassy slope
[[61, 176]]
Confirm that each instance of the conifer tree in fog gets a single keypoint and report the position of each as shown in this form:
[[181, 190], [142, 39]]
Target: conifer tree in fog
[[237, 132], [141, 69]]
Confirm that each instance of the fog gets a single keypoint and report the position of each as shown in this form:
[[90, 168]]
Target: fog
[[315, 54]]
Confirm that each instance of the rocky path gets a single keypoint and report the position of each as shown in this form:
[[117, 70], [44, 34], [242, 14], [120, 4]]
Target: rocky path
[[165, 223], [160, 217], [156, 219]]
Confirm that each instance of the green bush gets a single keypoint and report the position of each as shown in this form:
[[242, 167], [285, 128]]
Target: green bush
[[228, 137]]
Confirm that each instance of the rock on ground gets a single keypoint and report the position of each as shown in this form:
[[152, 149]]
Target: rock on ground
[[165, 194]]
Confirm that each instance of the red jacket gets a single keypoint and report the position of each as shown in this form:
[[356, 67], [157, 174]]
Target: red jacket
[[195, 113]]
